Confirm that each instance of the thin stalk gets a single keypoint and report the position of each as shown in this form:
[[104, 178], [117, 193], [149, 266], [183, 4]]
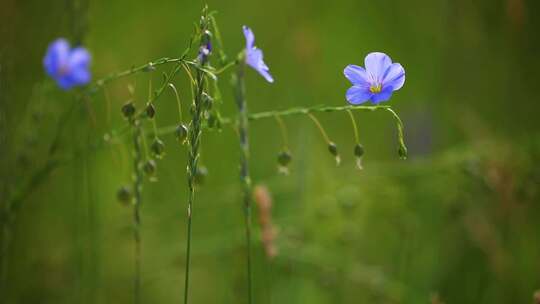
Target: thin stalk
[[142, 68], [401, 137], [243, 125], [355, 127], [283, 130], [137, 186], [320, 127], [177, 100], [194, 139]]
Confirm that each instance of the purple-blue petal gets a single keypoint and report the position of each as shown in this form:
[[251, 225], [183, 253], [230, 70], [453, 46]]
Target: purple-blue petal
[[376, 65], [79, 57], [357, 75], [358, 94], [394, 76], [250, 37], [383, 95], [254, 56], [57, 56]]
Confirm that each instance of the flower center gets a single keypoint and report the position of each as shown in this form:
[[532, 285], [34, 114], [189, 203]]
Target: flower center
[[63, 70], [376, 88]]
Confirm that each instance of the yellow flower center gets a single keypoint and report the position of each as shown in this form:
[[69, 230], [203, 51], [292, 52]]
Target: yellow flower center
[[375, 88]]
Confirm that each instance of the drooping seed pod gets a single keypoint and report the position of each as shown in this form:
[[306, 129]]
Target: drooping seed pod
[[358, 153], [150, 167], [124, 195], [128, 110], [158, 148], [150, 111], [181, 133], [402, 152], [284, 158], [200, 175], [207, 101], [332, 148]]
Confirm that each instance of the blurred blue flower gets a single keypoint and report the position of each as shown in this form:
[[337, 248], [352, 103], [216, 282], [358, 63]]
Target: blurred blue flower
[[254, 56], [376, 82], [68, 67], [204, 52]]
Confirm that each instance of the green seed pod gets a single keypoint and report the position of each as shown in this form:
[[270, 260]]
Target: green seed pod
[[200, 176], [284, 158], [128, 110], [149, 68], [207, 101], [358, 150], [158, 148], [150, 167], [150, 111], [402, 152], [332, 148], [124, 195], [181, 133], [211, 121]]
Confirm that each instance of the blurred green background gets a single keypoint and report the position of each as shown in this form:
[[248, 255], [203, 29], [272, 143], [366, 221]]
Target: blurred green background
[[457, 222]]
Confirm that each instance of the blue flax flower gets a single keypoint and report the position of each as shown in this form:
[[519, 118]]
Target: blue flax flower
[[68, 67], [254, 56], [376, 82]]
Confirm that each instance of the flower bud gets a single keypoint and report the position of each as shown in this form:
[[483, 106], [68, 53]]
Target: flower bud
[[332, 148], [157, 148], [206, 37], [150, 167], [128, 110], [124, 195], [150, 111], [200, 175], [181, 133]]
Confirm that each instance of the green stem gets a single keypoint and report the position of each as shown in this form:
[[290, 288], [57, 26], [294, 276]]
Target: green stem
[[194, 138], [142, 68], [283, 129], [243, 125], [320, 127], [355, 127], [137, 188]]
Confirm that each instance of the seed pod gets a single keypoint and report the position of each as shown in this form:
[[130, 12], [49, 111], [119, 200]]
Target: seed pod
[[358, 150], [207, 101], [181, 133], [332, 148], [157, 148], [150, 167], [402, 151], [358, 153], [284, 159], [149, 68], [150, 110], [128, 110], [200, 175], [212, 121], [124, 195]]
